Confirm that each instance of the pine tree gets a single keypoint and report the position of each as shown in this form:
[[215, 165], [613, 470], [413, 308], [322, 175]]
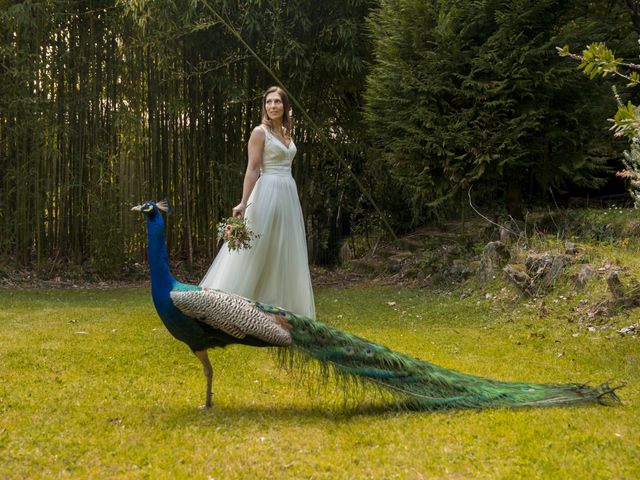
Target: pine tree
[[470, 93]]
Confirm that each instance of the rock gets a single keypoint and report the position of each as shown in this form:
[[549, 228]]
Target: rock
[[538, 264], [519, 278], [615, 286], [460, 270], [630, 330], [506, 235], [581, 278], [622, 296], [494, 256], [557, 267], [396, 261], [546, 267], [570, 248]]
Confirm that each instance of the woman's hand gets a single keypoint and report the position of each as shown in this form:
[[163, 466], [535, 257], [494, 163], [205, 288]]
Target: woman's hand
[[238, 210]]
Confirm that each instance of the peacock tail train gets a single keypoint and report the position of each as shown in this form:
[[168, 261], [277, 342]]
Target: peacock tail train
[[418, 384]]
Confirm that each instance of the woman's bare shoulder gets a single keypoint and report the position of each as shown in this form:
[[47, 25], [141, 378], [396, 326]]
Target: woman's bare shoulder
[[258, 136], [258, 131]]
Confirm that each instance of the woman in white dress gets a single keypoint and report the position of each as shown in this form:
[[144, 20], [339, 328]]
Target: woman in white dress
[[275, 270]]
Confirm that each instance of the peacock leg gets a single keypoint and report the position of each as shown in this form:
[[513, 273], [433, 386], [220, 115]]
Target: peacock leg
[[203, 356]]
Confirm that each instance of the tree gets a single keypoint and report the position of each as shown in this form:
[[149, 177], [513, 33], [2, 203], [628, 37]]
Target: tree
[[468, 93], [104, 103]]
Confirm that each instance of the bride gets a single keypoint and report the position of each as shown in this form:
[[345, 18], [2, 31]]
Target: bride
[[275, 270]]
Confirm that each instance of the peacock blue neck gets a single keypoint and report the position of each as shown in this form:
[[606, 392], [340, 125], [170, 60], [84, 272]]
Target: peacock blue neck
[[161, 280], [179, 325]]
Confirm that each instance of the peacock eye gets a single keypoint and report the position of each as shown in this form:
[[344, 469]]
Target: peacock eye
[[147, 208]]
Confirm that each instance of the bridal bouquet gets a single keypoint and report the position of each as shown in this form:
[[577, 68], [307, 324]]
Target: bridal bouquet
[[235, 232]]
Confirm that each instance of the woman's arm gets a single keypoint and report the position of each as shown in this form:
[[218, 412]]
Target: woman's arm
[[256, 148]]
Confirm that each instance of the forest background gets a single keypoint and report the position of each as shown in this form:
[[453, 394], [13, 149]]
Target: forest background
[[104, 104]]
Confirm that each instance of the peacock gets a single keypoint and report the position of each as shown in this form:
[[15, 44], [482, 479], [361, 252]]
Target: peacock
[[204, 319]]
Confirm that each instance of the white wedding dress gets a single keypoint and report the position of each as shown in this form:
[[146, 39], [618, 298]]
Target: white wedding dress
[[275, 270]]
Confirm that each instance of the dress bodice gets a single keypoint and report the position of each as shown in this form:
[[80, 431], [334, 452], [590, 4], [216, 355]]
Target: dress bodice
[[277, 157]]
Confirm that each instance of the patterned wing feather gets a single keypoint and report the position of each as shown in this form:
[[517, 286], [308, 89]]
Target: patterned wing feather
[[232, 314]]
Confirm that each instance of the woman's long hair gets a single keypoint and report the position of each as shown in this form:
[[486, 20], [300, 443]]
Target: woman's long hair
[[286, 104]]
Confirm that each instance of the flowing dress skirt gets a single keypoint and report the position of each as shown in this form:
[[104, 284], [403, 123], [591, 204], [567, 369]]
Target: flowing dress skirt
[[275, 270]]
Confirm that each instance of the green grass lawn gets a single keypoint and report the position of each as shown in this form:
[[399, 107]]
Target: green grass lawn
[[93, 386]]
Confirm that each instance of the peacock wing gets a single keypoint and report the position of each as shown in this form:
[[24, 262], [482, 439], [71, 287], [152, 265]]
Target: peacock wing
[[232, 314]]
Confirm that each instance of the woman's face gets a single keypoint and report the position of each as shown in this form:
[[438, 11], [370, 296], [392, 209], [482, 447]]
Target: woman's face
[[273, 105]]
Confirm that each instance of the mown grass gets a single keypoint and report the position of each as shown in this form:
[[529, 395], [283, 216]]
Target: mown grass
[[92, 386]]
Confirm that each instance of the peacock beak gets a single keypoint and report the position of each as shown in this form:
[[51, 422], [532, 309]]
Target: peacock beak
[[137, 208]]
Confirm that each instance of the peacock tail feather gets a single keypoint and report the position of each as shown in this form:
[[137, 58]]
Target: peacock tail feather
[[415, 383]]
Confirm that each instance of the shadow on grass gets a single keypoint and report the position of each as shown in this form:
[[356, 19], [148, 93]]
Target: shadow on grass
[[267, 413]]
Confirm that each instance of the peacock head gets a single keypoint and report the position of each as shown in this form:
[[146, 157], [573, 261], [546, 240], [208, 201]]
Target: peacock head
[[150, 209]]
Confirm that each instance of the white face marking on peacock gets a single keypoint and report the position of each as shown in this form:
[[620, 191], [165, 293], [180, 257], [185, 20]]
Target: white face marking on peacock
[[147, 207]]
